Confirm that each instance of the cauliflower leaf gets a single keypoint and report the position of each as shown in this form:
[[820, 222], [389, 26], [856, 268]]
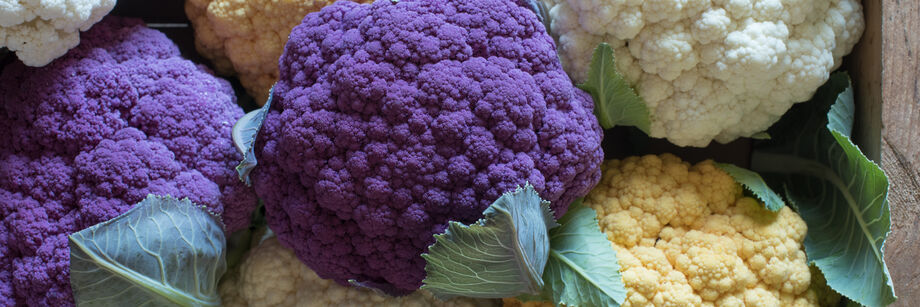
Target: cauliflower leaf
[[838, 191], [164, 251], [245, 132], [763, 135], [501, 255], [615, 102], [582, 268], [754, 183], [570, 263]]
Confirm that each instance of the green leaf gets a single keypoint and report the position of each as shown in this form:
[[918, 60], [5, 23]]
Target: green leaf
[[501, 255], [838, 191], [615, 102], [241, 241], [582, 268], [841, 116], [237, 245], [754, 183], [380, 288], [244, 136], [162, 252], [763, 135]]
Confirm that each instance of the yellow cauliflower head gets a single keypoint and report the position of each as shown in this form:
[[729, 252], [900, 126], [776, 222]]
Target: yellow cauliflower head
[[687, 236], [271, 275], [246, 37]]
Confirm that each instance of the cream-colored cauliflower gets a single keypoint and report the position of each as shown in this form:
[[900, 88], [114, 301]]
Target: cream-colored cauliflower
[[711, 69], [271, 275], [686, 236], [246, 37], [39, 31]]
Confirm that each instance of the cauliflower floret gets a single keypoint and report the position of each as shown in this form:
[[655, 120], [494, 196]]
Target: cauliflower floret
[[686, 236], [271, 275], [41, 31], [726, 249], [247, 36], [711, 69], [391, 119], [86, 137]]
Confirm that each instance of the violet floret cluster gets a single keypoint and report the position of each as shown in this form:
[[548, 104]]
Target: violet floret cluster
[[88, 136], [392, 118]]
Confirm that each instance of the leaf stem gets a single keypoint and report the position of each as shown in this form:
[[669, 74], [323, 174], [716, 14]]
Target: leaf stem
[[788, 164]]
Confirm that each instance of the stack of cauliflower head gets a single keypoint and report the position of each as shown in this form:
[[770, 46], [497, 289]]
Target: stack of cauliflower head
[[91, 134], [711, 69], [246, 37], [392, 118]]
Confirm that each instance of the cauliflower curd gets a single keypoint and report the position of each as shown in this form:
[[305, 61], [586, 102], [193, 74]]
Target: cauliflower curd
[[271, 275], [686, 235], [711, 69], [246, 37], [86, 137], [41, 31], [392, 118]]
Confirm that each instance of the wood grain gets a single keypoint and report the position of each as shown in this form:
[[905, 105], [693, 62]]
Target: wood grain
[[865, 67], [900, 142]]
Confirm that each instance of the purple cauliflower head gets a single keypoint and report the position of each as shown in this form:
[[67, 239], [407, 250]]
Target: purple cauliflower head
[[91, 134], [392, 118]]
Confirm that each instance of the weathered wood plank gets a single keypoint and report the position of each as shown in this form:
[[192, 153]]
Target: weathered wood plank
[[900, 142], [865, 67]]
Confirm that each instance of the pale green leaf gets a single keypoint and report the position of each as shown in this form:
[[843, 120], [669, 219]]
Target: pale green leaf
[[841, 194], [162, 252], [244, 136], [615, 101], [842, 113], [763, 135], [241, 241], [754, 183], [501, 255], [582, 270], [379, 288]]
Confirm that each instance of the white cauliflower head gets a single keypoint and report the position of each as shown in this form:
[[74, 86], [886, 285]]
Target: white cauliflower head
[[271, 275], [39, 31], [711, 69]]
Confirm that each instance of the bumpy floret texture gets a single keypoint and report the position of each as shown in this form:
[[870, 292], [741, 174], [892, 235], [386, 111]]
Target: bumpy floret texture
[[271, 275], [41, 31], [392, 118], [686, 235], [711, 69], [246, 37], [91, 134]]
